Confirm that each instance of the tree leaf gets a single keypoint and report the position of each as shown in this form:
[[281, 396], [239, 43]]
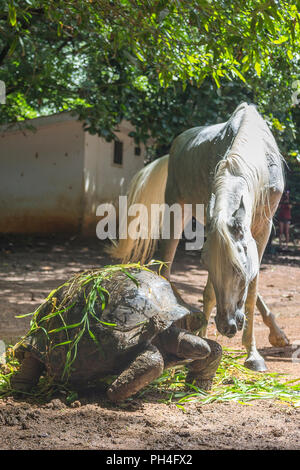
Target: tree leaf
[[257, 67], [12, 14]]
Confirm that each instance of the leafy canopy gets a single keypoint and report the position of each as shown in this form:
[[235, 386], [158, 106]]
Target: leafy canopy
[[144, 60]]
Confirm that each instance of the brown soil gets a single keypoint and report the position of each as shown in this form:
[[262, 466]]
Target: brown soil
[[31, 267]]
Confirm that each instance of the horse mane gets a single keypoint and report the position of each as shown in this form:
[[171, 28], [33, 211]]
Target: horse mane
[[253, 150]]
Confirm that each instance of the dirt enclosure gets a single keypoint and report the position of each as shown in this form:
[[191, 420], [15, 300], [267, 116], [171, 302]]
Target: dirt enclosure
[[31, 267]]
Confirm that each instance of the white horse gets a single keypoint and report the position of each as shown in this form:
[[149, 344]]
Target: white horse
[[236, 170]]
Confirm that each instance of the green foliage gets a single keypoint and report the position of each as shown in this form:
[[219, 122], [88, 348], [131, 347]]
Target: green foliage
[[233, 382], [156, 63], [7, 369]]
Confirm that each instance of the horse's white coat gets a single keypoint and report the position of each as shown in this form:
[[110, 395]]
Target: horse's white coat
[[237, 170], [243, 173]]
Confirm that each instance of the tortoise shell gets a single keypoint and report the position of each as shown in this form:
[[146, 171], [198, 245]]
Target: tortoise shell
[[139, 305]]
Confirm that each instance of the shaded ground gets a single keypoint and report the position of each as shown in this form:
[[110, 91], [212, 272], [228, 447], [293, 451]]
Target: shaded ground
[[30, 268]]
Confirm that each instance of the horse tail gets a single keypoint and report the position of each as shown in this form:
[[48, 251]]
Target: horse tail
[[147, 187]]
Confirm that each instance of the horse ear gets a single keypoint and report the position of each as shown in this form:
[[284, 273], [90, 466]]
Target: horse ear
[[240, 213], [210, 208]]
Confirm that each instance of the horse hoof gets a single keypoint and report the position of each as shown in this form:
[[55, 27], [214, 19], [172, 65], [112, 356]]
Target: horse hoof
[[279, 340], [256, 364]]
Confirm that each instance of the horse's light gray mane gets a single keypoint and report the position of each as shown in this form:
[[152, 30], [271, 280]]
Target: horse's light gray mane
[[253, 150]]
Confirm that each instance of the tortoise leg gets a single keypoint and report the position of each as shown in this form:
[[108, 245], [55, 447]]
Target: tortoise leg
[[206, 353], [146, 367], [202, 371], [28, 375]]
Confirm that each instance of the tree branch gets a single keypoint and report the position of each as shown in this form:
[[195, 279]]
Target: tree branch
[[4, 53]]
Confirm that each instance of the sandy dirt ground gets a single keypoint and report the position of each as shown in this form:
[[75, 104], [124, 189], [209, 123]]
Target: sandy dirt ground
[[31, 267]]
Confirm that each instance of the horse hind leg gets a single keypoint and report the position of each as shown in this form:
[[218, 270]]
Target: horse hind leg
[[276, 337]]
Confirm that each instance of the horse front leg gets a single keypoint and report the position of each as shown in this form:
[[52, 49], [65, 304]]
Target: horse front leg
[[209, 301], [197, 322], [167, 250], [254, 360]]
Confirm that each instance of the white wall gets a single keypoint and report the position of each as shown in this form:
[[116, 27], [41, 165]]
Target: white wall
[[105, 180], [52, 180], [41, 177]]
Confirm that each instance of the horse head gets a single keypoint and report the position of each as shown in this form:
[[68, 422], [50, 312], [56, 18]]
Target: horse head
[[231, 258]]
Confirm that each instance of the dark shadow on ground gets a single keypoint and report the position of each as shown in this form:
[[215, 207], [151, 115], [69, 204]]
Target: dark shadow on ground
[[281, 354]]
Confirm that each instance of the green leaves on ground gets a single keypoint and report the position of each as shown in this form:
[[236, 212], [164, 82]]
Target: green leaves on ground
[[233, 382]]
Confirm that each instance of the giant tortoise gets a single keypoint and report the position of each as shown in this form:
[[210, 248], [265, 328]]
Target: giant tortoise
[[126, 326]]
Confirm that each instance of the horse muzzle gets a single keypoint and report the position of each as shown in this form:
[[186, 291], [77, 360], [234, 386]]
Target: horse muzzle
[[230, 327]]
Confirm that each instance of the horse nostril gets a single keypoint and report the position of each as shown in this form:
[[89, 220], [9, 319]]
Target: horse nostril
[[231, 329], [228, 329]]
